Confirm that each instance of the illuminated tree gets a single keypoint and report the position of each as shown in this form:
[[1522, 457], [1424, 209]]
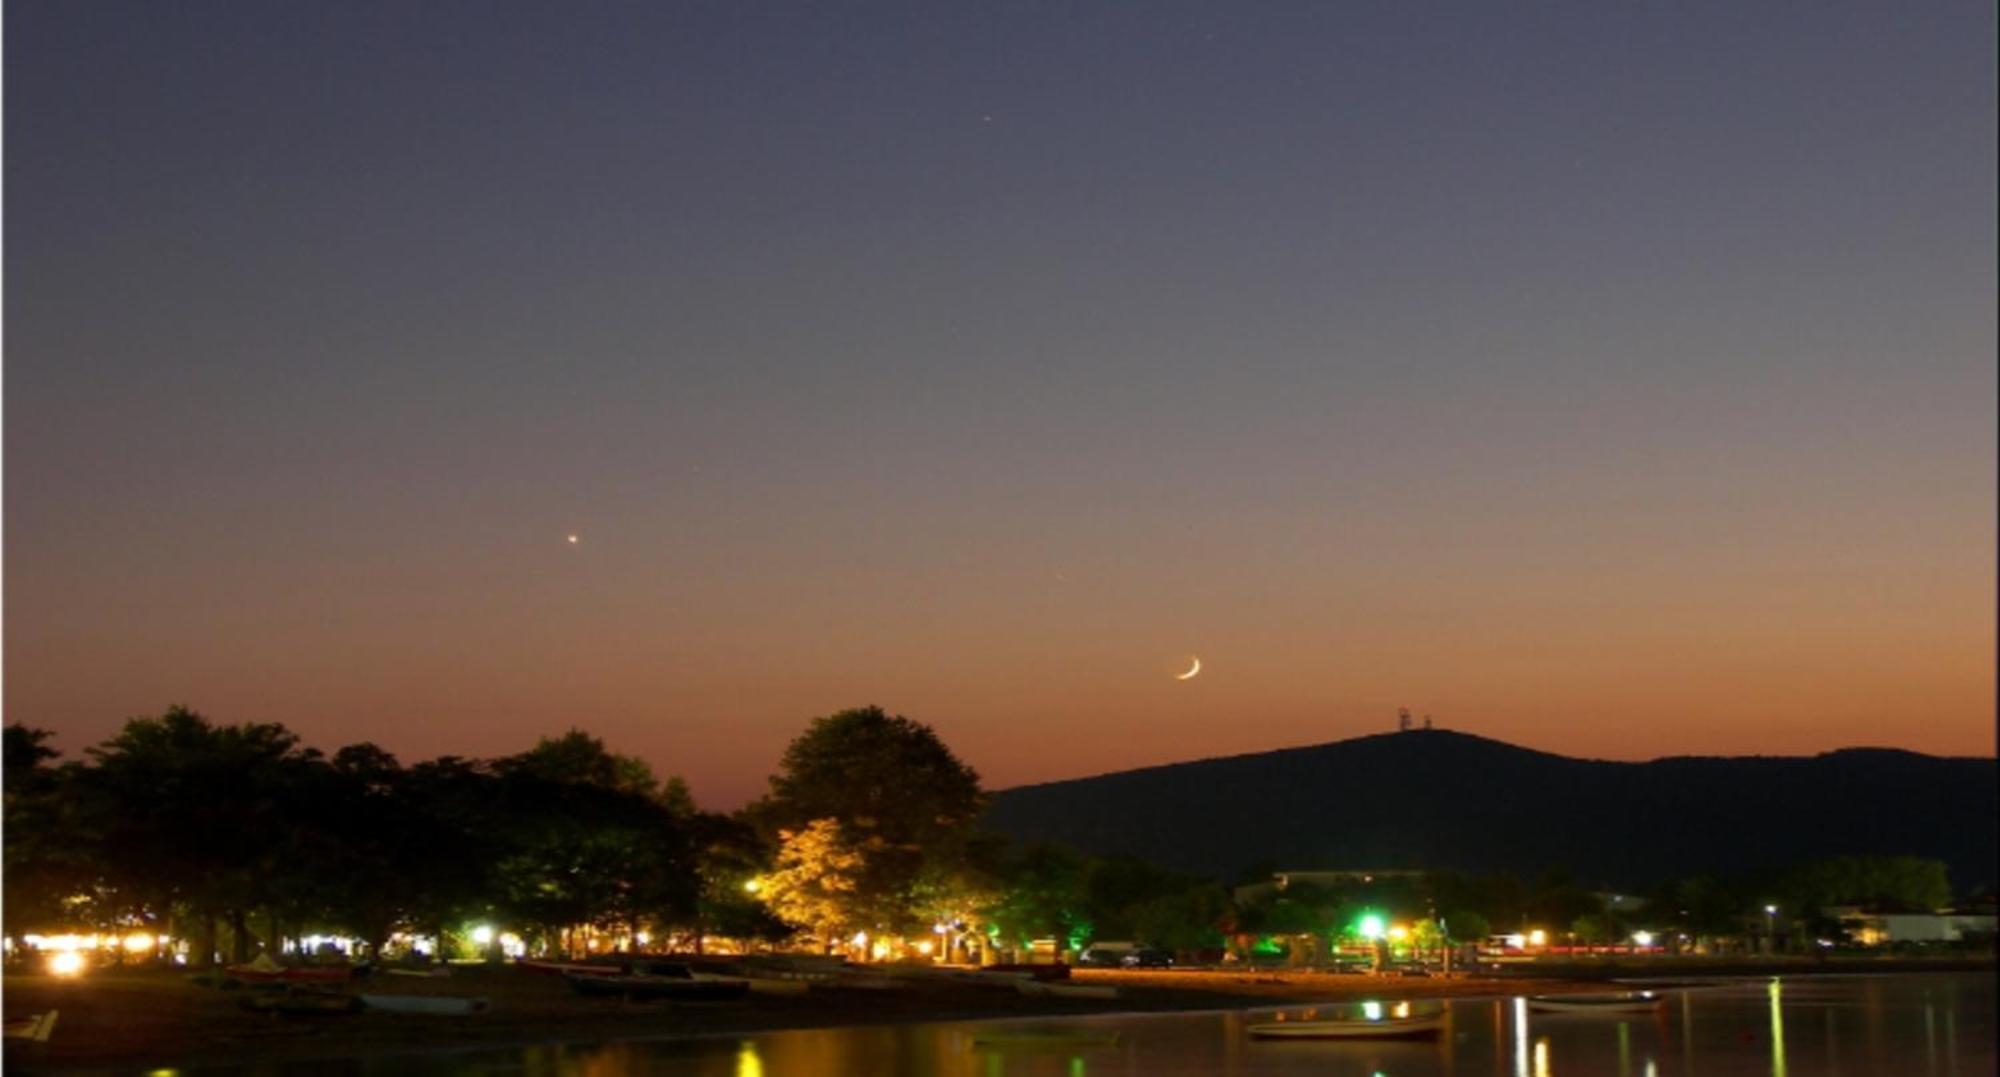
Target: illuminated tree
[[903, 803], [817, 883]]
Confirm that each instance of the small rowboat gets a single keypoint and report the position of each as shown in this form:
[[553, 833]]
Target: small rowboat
[[570, 968], [301, 1004], [1036, 988], [258, 974], [1033, 972], [1626, 1002], [1424, 1027], [444, 1005], [760, 985], [661, 980], [35, 1026]]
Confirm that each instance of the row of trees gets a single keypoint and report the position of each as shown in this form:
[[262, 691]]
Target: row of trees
[[237, 837], [241, 835], [204, 831], [1446, 906]]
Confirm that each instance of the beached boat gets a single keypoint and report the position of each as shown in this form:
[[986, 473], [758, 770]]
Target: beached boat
[[264, 970], [661, 980], [1032, 971], [35, 1026], [1421, 1027], [1038, 989], [760, 985], [301, 1003], [570, 968], [1622, 1002], [439, 1005]]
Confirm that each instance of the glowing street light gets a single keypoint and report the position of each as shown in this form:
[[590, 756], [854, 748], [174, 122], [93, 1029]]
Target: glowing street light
[[1370, 926], [66, 963]]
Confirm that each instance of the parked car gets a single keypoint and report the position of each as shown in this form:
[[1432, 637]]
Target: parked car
[[1148, 958], [1101, 958]]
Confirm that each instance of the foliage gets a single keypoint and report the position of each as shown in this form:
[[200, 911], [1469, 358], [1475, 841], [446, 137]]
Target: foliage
[[1042, 896], [816, 884], [903, 805], [1467, 926], [1883, 883]]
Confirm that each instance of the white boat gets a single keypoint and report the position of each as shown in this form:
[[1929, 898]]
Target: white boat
[[1042, 989], [1622, 1002], [1425, 1026], [35, 1026], [447, 1005]]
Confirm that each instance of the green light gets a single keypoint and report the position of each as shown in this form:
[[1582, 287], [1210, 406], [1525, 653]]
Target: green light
[[1370, 926]]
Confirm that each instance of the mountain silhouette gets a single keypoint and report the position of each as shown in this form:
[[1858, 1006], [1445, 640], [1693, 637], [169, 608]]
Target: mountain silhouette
[[1443, 799]]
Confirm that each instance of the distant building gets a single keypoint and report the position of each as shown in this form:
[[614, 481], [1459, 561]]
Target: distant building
[[1884, 928]]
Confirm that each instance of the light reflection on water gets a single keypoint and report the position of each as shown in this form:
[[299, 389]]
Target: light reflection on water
[[1930, 1025]]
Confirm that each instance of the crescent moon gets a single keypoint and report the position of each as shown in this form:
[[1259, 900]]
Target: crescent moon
[[1192, 670]]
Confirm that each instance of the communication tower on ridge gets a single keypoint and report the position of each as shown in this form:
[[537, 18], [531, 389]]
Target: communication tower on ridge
[[1402, 719]]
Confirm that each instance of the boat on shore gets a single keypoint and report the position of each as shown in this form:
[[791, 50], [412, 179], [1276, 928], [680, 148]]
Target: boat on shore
[[1044, 989], [436, 1005], [1621, 1002], [1420, 1027], [266, 971], [660, 980], [301, 1003], [1043, 972], [569, 968], [33, 1026]]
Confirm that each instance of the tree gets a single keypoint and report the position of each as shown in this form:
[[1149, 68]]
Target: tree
[[731, 860], [903, 804], [1467, 926], [577, 758], [49, 853], [1042, 896], [1189, 919], [193, 814], [816, 885]]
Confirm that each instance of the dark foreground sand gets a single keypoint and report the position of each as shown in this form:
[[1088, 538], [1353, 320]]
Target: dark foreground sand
[[147, 1018]]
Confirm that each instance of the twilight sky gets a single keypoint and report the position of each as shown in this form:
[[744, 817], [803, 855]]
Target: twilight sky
[[1616, 379]]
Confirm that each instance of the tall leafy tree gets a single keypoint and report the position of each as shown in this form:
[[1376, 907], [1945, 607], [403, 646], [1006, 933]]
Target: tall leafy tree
[[49, 852], [197, 815], [901, 802]]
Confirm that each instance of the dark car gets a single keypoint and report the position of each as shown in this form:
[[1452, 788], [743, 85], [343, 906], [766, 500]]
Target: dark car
[[1099, 957], [1148, 958]]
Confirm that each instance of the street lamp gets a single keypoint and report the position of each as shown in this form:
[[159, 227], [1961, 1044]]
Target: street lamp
[[1770, 929]]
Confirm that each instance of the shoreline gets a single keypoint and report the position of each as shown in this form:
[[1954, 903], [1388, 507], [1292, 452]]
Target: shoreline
[[142, 1019]]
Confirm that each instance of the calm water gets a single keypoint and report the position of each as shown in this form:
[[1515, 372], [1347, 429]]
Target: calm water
[[1928, 1025]]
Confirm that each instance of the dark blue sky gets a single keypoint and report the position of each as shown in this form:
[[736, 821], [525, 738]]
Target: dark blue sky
[[1616, 378]]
